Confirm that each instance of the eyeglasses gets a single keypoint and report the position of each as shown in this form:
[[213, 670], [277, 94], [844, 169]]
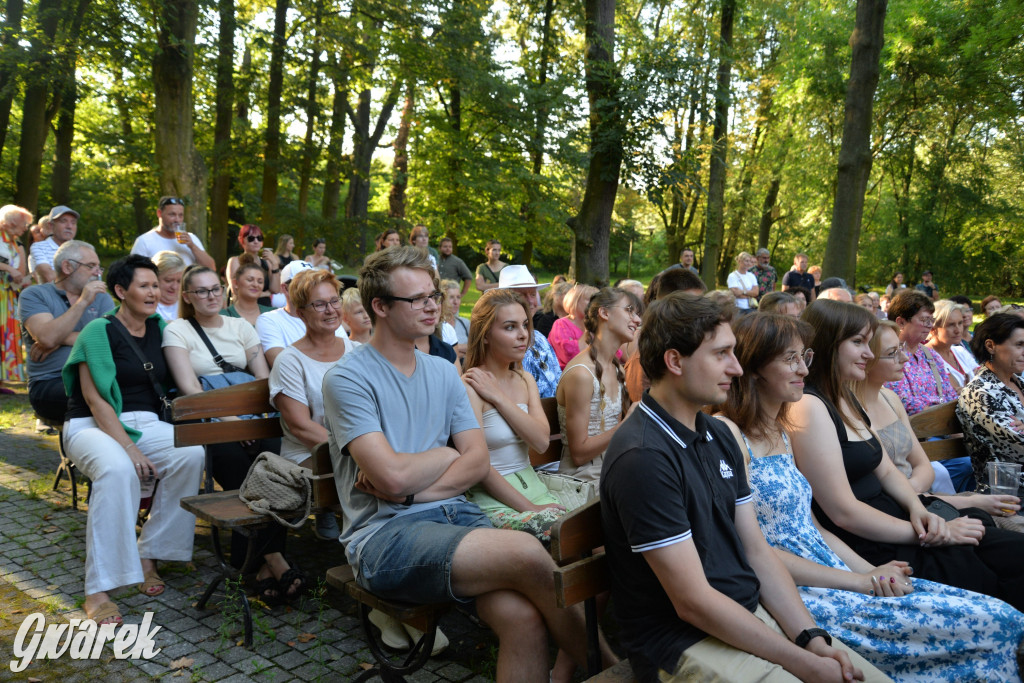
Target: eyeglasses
[[321, 306], [91, 266], [171, 200], [254, 238], [206, 293], [926, 322], [631, 310], [901, 350], [793, 359], [418, 302]]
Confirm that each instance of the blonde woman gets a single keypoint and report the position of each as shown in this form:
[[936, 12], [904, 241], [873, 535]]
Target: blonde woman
[[743, 283], [566, 332], [945, 338], [170, 266]]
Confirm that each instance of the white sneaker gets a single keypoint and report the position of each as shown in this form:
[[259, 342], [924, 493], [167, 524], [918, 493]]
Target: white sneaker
[[440, 640], [391, 632]]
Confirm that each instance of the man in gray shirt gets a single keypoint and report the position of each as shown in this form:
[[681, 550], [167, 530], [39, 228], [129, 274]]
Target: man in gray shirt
[[405, 446], [53, 314], [451, 267]]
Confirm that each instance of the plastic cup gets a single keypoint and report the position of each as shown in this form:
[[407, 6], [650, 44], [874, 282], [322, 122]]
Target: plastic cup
[[181, 233], [1003, 477]]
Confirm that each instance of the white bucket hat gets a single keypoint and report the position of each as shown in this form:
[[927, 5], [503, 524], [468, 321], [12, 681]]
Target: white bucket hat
[[518, 277]]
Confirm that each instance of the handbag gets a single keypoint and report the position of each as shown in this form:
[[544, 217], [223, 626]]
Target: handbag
[[164, 409], [278, 487], [569, 491]]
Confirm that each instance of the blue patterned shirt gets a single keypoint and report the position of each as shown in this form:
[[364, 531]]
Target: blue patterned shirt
[[541, 362]]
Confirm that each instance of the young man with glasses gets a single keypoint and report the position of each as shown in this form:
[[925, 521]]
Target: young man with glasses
[[63, 227], [166, 236], [406, 445], [282, 327], [52, 315]]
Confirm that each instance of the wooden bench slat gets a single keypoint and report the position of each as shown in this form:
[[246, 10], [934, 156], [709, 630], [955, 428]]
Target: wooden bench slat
[[554, 450], [940, 421], [325, 492], [205, 433], [577, 533], [223, 509], [418, 616], [241, 399], [944, 450], [581, 580]]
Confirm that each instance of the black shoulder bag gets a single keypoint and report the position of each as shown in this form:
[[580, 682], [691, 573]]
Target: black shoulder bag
[[164, 410], [217, 358]]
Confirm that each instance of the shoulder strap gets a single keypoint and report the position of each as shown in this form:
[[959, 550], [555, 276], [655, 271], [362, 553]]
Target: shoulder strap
[[147, 365], [493, 277], [217, 358]]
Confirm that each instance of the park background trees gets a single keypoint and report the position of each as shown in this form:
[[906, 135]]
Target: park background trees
[[562, 128]]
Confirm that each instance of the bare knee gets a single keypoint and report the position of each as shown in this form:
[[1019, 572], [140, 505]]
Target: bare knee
[[511, 615]]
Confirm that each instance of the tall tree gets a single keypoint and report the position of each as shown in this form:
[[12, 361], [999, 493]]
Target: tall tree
[[10, 56], [272, 134], [309, 151], [220, 194], [714, 220], [400, 165], [65, 100], [333, 167], [855, 153], [592, 224]]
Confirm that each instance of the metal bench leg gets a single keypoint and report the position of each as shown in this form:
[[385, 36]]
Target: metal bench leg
[[227, 571], [414, 661]]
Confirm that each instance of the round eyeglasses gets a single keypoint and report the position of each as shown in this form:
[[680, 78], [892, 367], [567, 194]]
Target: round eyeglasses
[[793, 359]]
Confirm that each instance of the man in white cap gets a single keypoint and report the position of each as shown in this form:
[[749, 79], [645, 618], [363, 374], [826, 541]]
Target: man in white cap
[[282, 327], [170, 235], [540, 360], [63, 227]]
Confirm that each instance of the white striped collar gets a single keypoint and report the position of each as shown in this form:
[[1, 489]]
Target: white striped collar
[[658, 420]]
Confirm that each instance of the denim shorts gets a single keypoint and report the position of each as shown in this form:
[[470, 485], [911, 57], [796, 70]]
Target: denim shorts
[[410, 558]]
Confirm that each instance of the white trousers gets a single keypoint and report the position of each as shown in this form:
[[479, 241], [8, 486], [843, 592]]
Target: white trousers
[[112, 556]]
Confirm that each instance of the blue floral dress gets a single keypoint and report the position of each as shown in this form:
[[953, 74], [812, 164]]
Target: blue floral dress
[[936, 633]]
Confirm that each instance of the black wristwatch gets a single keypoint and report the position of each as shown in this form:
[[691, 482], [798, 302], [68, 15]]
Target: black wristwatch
[[409, 499], [808, 634], [276, 271]]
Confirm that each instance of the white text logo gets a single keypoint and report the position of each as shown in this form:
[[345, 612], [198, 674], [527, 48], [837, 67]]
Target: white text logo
[[81, 639]]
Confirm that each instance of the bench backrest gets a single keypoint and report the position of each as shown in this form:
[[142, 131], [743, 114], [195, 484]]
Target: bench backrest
[[554, 451], [325, 492], [251, 398], [582, 573], [940, 421]]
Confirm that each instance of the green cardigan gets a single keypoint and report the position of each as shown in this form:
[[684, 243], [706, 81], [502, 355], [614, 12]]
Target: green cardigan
[[92, 347]]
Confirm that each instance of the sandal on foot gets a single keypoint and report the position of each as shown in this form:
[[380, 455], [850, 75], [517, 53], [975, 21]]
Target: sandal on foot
[[106, 613], [153, 584], [268, 591], [286, 587]]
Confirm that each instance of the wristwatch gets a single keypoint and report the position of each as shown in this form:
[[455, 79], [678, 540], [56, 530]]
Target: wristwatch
[[808, 634], [410, 498], [276, 271]]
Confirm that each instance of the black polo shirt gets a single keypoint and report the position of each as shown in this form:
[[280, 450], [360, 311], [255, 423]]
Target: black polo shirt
[[663, 484]]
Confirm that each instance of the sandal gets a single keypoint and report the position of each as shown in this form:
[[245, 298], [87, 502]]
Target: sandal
[[286, 584], [153, 584], [106, 613], [267, 590]]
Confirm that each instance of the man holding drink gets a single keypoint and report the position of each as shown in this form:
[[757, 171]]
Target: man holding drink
[[170, 234]]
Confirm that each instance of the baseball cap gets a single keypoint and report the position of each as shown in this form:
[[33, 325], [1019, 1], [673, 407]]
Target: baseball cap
[[293, 268], [58, 211], [518, 277]]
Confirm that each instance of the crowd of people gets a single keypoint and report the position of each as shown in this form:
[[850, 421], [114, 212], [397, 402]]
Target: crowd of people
[[767, 510]]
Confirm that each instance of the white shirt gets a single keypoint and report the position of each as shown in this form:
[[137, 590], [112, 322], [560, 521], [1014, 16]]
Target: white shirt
[[278, 329], [42, 252], [149, 243], [745, 281]]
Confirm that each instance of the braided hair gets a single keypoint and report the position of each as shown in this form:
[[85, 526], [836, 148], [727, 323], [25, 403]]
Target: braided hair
[[605, 298]]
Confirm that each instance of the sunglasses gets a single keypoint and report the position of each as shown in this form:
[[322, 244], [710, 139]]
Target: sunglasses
[[171, 200], [254, 238]]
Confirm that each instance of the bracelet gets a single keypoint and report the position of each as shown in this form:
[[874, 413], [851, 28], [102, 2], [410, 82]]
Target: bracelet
[[809, 634], [409, 499], [275, 271]]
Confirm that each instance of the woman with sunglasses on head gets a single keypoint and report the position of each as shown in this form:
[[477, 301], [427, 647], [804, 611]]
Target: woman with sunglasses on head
[[114, 434], [892, 425], [591, 395], [860, 496], [186, 345], [911, 629], [251, 238]]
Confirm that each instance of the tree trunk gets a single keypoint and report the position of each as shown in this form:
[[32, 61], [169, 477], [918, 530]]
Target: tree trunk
[[309, 148], [220, 194], [364, 143], [714, 218], [332, 172], [592, 224], [11, 57], [272, 136], [60, 178], [35, 116], [141, 177], [855, 152], [454, 189], [400, 166]]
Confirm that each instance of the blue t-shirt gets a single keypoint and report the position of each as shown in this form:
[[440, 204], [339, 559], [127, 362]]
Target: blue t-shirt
[[365, 393]]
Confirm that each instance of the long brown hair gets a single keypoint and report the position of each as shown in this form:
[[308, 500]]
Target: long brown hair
[[484, 313], [760, 339], [834, 322], [606, 298]]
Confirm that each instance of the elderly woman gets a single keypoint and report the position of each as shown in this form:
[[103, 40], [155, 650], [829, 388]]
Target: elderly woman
[[925, 380], [114, 435], [945, 338], [991, 406], [566, 332], [14, 221], [191, 344], [247, 285], [990, 304], [251, 238], [742, 283], [170, 267]]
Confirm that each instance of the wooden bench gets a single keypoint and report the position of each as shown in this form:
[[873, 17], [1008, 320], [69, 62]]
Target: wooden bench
[[223, 510], [939, 421], [554, 450], [582, 575]]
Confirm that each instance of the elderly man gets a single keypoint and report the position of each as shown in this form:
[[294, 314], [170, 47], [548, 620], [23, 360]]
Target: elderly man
[[835, 288], [52, 315], [799, 277], [540, 360], [451, 267], [766, 275], [63, 227], [170, 235]]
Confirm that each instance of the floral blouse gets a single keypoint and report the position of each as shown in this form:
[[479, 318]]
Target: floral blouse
[[991, 415], [918, 389], [541, 362]]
